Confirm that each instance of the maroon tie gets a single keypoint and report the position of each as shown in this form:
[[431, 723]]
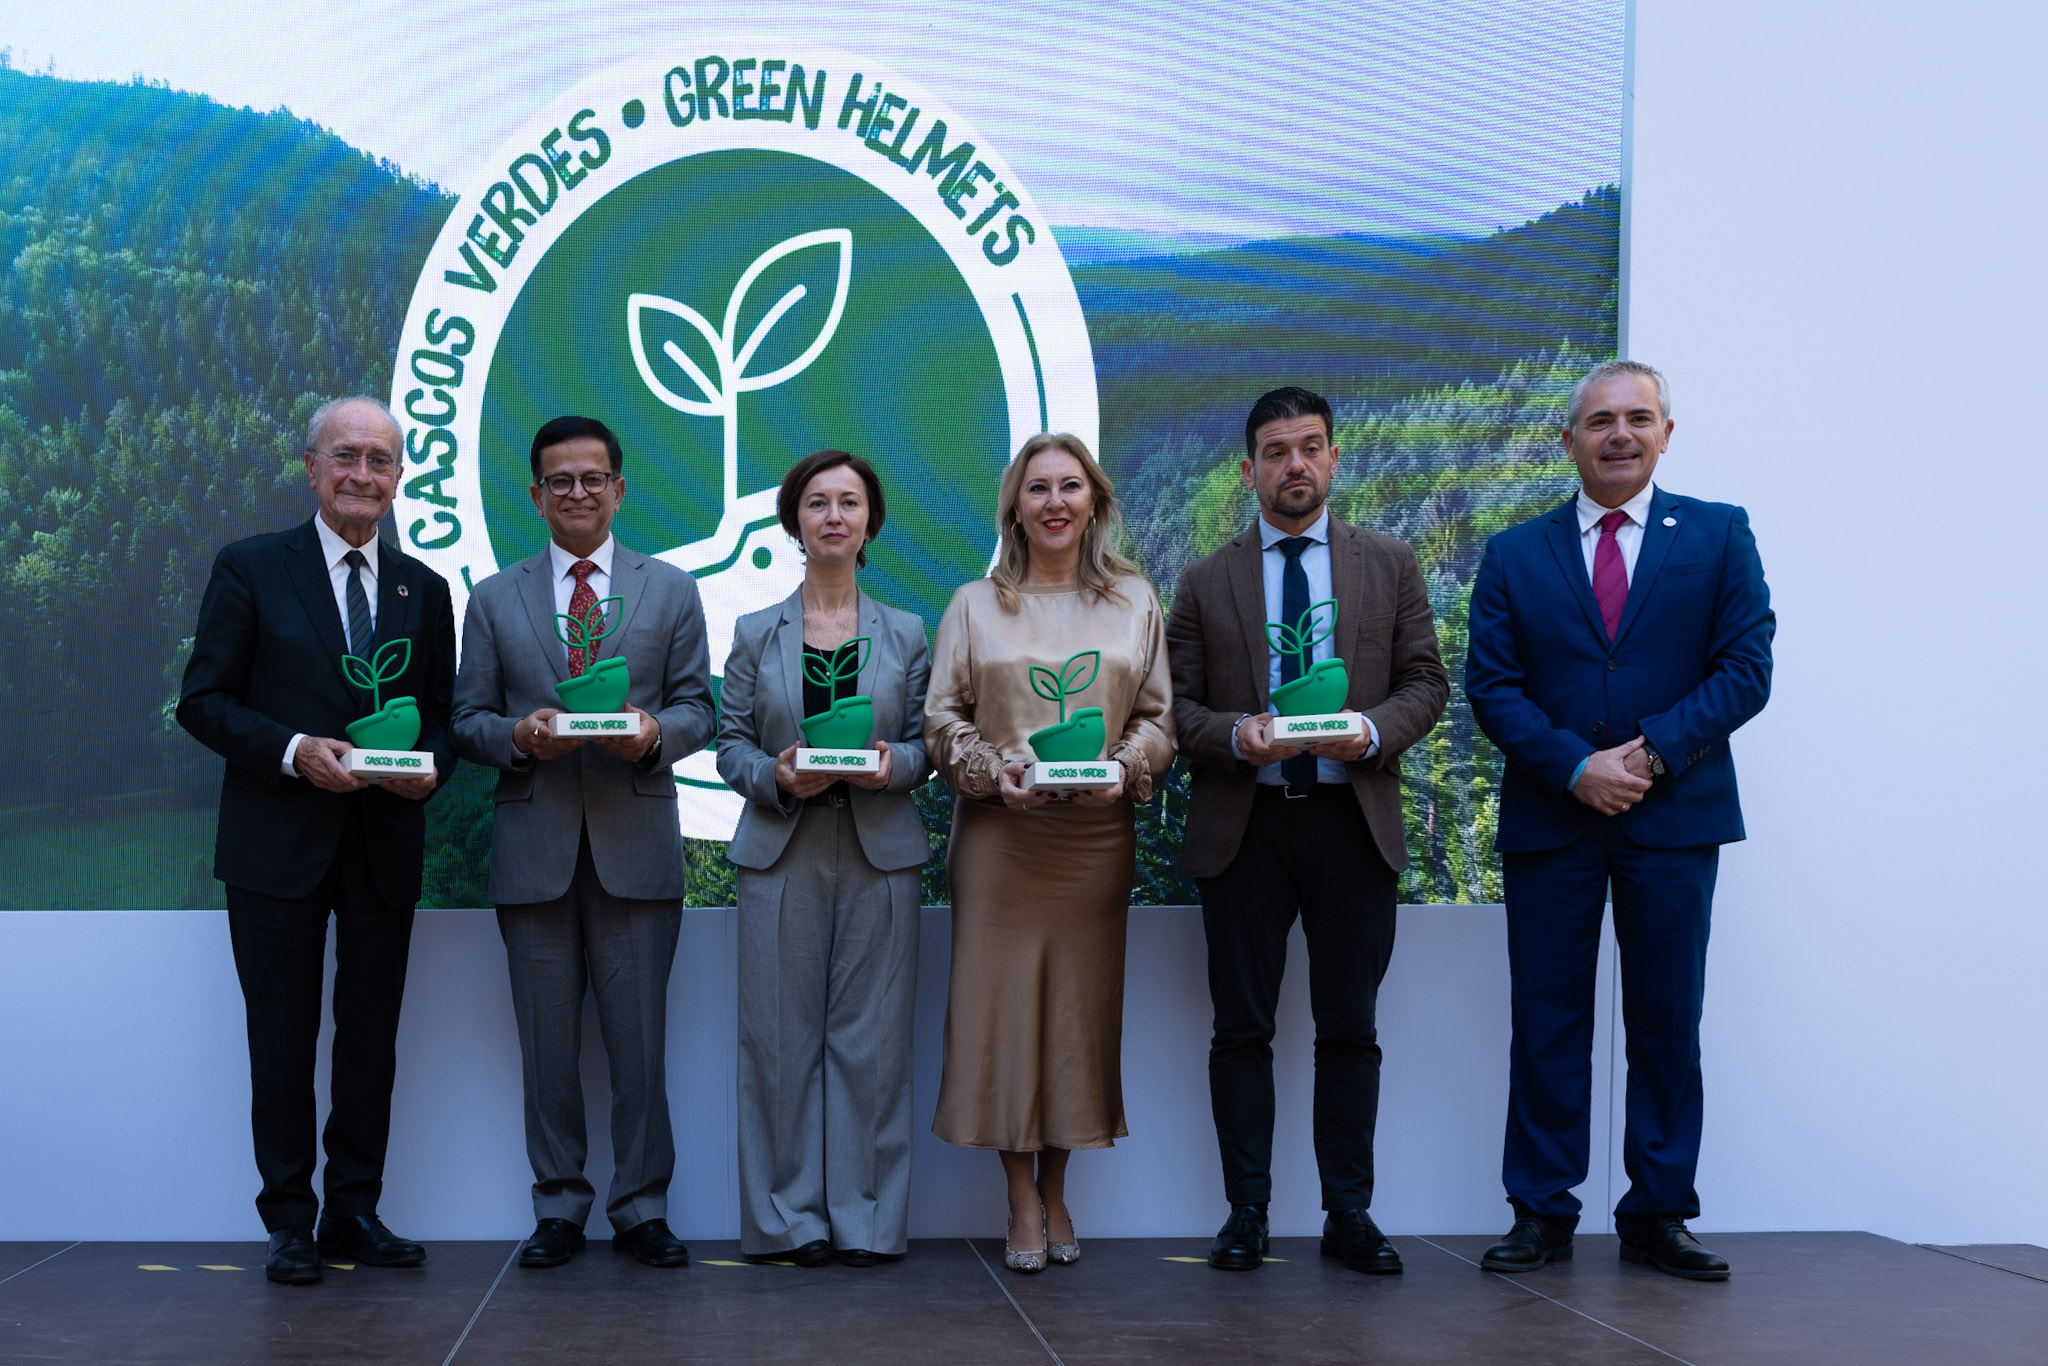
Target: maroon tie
[[585, 598], [1610, 578]]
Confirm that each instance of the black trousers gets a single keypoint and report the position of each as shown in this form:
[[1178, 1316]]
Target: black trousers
[[280, 955], [1313, 857]]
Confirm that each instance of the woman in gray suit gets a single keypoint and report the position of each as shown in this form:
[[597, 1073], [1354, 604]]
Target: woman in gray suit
[[828, 892]]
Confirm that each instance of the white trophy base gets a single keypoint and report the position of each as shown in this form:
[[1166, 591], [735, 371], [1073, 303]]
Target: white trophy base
[[379, 764], [1069, 775], [838, 760], [588, 725], [1300, 730]]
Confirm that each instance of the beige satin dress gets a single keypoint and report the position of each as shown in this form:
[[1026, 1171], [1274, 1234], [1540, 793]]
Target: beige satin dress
[[1034, 1021]]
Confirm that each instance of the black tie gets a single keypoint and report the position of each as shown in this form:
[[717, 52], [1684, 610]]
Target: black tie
[[360, 632], [1300, 771]]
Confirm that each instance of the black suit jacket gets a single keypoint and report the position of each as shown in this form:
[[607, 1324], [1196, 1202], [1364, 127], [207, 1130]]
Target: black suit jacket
[[266, 664]]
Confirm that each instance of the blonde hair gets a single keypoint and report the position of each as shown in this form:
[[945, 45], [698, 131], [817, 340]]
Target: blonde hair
[[1102, 564]]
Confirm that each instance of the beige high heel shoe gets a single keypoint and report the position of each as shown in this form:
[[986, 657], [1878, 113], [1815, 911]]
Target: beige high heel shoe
[[1028, 1262], [1064, 1254]]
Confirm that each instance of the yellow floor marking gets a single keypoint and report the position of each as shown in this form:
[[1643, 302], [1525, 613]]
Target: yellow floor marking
[[146, 1266], [1276, 1259], [1183, 1259], [343, 1266], [207, 1266], [710, 1263]]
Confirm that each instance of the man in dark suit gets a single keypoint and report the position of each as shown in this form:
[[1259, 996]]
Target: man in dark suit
[[1616, 643], [300, 838], [1274, 831], [587, 850]]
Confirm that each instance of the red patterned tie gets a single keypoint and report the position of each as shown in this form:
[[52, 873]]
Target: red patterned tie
[[585, 598], [1610, 577]]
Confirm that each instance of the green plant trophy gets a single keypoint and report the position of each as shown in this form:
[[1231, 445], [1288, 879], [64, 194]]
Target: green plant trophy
[[1075, 739], [390, 725], [1321, 688], [602, 685], [848, 723]]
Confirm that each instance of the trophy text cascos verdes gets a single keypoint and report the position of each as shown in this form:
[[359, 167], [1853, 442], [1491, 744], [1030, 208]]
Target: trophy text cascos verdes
[[1309, 710], [1069, 754], [381, 744], [593, 701], [839, 739]]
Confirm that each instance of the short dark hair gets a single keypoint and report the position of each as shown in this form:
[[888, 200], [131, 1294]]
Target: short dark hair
[[556, 430], [1279, 404], [810, 467]]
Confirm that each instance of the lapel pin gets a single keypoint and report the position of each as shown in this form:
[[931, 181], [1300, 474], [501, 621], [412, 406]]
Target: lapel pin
[[403, 591], [1668, 521]]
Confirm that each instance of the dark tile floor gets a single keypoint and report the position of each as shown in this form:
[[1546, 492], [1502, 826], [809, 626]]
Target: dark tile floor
[[1795, 1297]]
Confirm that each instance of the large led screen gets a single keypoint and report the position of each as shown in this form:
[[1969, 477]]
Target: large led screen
[[739, 233]]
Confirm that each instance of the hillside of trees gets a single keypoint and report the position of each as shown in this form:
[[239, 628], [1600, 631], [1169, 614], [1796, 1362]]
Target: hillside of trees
[[181, 283]]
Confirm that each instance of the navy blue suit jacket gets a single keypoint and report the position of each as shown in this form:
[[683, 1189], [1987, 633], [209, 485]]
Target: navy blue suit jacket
[[1690, 662], [266, 663]]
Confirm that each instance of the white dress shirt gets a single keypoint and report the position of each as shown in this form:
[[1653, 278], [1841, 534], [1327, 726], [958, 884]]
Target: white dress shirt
[[1628, 537], [334, 550], [1315, 563]]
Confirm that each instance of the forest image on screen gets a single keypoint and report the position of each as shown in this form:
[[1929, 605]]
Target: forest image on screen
[[190, 265]]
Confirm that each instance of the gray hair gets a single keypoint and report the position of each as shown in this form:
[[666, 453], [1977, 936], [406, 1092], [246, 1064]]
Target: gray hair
[[326, 410], [1619, 367]]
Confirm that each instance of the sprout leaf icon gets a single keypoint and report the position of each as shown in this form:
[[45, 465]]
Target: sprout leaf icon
[[718, 394]]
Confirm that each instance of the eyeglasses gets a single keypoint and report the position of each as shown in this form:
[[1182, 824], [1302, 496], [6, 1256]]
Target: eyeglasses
[[592, 481], [378, 465]]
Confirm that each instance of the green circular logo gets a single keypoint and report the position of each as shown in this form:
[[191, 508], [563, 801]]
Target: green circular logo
[[734, 258]]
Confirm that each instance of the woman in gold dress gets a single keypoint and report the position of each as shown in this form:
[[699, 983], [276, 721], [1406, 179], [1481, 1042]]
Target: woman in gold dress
[[1041, 887]]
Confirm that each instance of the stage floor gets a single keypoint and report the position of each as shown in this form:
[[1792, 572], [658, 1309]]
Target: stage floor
[[1795, 1298]]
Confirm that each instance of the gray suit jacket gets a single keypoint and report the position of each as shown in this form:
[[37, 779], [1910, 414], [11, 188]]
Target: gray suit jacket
[[511, 661], [761, 700], [1216, 640]]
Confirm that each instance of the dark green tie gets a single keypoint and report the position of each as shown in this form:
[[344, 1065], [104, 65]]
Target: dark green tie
[[360, 632]]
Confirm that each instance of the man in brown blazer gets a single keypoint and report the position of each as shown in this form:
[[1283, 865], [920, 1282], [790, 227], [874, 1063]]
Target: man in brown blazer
[[1274, 831]]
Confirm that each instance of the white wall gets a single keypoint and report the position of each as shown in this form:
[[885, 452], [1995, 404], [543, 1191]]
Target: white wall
[[1836, 254], [127, 1098]]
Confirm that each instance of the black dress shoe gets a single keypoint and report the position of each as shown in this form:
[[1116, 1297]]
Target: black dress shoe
[[1352, 1238], [858, 1256], [1670, 1247], [653, 1245], [291, 1258], [1240, 1244], [1531, 1244], [816, 1252], [554, 1242], [363, 1238]]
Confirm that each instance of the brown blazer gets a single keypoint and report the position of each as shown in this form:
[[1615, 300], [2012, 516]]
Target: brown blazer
[[1216, 643]]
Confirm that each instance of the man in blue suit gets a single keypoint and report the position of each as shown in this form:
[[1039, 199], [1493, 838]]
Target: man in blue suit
[[1616, 643]]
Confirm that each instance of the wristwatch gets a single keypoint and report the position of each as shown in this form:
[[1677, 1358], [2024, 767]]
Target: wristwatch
[[1657, 768]]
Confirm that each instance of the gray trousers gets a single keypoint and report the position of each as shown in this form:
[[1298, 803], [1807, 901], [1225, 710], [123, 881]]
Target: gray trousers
[[622, 949], [828, 983]]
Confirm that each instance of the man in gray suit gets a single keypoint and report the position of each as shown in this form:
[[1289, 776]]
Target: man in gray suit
[[586, 850]]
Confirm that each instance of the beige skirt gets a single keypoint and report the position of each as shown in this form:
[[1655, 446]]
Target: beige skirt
[[1034, 1021]]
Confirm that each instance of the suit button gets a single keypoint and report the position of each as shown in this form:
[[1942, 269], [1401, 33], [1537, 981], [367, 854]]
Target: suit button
[[1597, 726], [1612, 666]]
